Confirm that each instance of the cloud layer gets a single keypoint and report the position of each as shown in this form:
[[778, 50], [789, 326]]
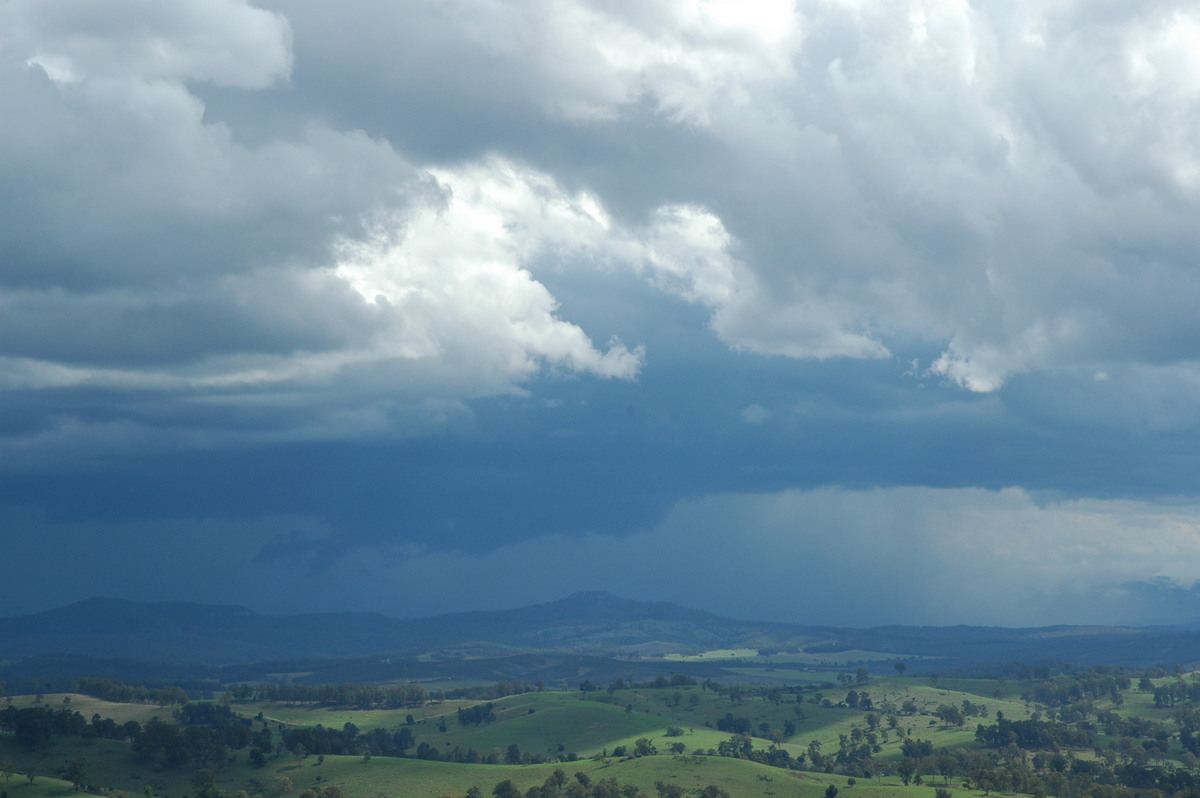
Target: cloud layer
[[822, 557], [641, 252], [1013, 183]]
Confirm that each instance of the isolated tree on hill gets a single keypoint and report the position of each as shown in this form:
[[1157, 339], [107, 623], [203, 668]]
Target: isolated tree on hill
[[506, 789], [554, 782], [668, 789], [76, 772], [203, 782]]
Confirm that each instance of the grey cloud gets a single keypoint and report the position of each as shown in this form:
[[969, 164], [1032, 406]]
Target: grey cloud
[[1007, 181], [826, 556], [356, 214]]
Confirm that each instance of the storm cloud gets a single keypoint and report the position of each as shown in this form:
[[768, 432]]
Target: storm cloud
[[463, 282]]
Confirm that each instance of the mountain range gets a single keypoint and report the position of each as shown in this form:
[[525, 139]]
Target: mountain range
[[113, 635]]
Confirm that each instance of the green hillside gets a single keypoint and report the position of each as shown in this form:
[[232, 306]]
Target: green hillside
[[1067, 736]]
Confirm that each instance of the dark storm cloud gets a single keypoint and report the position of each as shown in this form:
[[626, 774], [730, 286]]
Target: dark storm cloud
[[411, 289]]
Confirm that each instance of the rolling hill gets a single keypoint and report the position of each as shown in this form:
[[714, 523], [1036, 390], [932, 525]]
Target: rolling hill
[[546, 638]]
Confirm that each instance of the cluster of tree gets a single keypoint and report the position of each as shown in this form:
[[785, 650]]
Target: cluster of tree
[[208, 733], [740, 746], [476, 715], [1094, 684], [1034, 735], [34, 726], [119, 692], [1119, 726], [559, 785], [733, 724], [500, 689], [952, 715], [365, 696], [320, 740], [1177, 692], [172, 746], [858, 700], [513, 755], [1189, 729], [658, 683]]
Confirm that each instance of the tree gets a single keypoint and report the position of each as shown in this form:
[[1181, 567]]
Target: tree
[[76, 772], [950, 715], [900, 668], [668, 789], [506, 789], [203, 782], [831, 791]]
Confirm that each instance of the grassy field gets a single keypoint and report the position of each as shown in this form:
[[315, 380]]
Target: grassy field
[[40, 787], [336, 717], [823, 659], [553, 724], [415, 778], [88, 706]]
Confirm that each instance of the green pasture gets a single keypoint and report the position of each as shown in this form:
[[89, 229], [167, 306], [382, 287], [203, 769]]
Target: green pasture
[[818, 658], [109, 765], [88, 706], [411, 778], [338, 716], [590, 723], [41, 787], [554, 723]]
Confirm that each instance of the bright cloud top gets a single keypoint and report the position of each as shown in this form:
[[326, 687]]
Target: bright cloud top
[[1013, 184]]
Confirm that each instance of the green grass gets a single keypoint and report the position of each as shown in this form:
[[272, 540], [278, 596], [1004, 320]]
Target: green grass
[[821, 658], [109, 764], [41, 787], [337, 717], [88, 706], [586, 724], [417, 779]]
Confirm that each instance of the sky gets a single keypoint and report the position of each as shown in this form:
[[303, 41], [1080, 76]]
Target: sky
[[828, 311]]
